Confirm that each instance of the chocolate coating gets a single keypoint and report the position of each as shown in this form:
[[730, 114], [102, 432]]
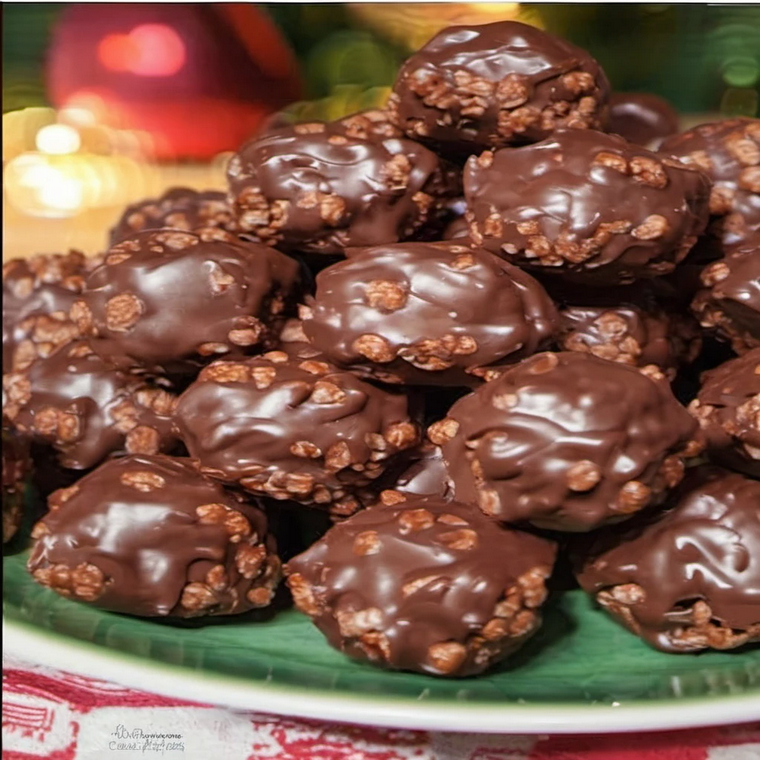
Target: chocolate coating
[[427, 313], [17, 466], [728, 409], [586, 205], [86, 409], [729, 153], [320, 187], [179, 208], [423, 584], [566, 441], [642, 118], [290, 429], [150, 536], [168, 301], [688, 579], [492, 85], [426, 474]]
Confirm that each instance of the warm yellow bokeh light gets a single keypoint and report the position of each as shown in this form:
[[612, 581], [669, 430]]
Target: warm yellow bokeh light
[[58, 140]]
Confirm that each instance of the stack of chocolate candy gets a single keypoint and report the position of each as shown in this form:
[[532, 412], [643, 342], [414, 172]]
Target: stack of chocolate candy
[[463, 329]]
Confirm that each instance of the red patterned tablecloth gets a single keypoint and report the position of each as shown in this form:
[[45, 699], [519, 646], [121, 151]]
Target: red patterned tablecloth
[[53, 715]]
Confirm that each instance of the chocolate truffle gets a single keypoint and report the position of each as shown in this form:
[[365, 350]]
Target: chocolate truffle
[[728, 409], [586, 205], [427, 313], [689, 578], [642, 118], [493, 85], [167, 301], [179, 208], [426, 474], [567, 441], [17, 466], [423, 584], [86, 409], [290, 429], [729, 153], [729, 302], [319, 187], [150, 536]]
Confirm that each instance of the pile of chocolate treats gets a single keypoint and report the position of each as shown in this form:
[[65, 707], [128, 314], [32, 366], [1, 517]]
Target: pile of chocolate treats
[[408, 360]]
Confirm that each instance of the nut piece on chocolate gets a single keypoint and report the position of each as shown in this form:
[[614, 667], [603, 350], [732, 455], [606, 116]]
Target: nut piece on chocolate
[[488, 86], [729, 153], [150, 536], [729, 302], [426, 474], [728, 410], [86, 409], [586, 205], [642, 118], [427, 313], [567, 441], [168, 301], [37, 295], [319, 187], [17, 466], [180, 208], [292, 429], [423, 584], [690, 578]]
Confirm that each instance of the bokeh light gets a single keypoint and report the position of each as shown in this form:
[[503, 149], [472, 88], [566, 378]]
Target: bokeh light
[[150, 50], [58, 139]]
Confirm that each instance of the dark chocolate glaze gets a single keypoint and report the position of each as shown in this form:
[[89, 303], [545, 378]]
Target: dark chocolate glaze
[[705, 548], [642, 118], [421, 573], [487, 86], [586, 205], [17, 466], [292, 429], [728, 152], [426, 474], [150, 536], [566, 441], [168, 301], [179, 208], [320, 187], [427, 313], [86, 409], [728, 410]]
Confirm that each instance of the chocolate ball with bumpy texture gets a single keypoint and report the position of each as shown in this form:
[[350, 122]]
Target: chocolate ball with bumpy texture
[[728, 304], [292, 429], [642, 118], [587, 206], [567, 442], [494, 85], [728, 409], [169, 301], [86, 409], [320, 187], [179, 208], [729, 153], [17, 466], [150, 536], [423, 584], [427, 313], [689, 578]]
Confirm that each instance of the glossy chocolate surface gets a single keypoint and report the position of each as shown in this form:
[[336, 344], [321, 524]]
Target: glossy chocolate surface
[[17, 467], [642, 118]]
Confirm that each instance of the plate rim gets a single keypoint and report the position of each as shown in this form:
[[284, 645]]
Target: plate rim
[[30, 643]]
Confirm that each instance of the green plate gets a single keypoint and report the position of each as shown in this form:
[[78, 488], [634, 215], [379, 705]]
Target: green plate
[[581, 672]]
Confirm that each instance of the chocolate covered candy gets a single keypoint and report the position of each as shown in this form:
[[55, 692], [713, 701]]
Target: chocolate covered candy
[[587, 206], [320, 187], [729, 153], [689, 579], [17, 466], [728, 409], [179, 208], [292, 429], [168, 301], [427, 313], [150, 536], [567, 441], [487, 86], [423, 584], [426, 474], [86, 409], [642, 118]]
